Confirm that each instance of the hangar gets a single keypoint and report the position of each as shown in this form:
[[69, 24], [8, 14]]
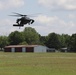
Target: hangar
[[25, 48]]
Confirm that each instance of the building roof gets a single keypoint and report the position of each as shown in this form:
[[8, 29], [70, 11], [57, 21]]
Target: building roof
[[16, 46]]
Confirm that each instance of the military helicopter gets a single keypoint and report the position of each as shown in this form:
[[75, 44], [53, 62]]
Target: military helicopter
[[23, 20]]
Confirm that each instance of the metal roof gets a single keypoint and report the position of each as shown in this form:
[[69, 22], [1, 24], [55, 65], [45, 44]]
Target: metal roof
[[12, 46]]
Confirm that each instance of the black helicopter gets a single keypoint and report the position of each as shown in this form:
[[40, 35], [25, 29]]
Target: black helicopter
[[23, 20]]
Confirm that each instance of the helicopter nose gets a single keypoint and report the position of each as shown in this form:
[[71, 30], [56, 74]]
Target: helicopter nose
[[32, 21]]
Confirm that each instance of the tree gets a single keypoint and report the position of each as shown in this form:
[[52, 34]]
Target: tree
[[15, 38], [3, 41], [72, 43], [64, 40], [43, 40], [23, 43], [53, 41], [31, 36]]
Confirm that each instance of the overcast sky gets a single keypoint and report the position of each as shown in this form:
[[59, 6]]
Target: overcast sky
[[57, 16]]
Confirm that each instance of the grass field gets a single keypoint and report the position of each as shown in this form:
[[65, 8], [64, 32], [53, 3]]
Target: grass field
[[37, 63]]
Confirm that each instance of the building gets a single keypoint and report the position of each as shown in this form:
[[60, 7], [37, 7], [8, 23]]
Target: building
[[51, 50], [25, 48], [64, 49]]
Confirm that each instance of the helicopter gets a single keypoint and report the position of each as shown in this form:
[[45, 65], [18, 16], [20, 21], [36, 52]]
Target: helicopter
[[23, 20]]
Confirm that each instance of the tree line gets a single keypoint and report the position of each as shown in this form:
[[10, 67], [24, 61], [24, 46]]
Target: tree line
[[29, 36]]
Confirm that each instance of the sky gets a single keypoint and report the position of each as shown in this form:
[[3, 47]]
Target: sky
[[57, 16]]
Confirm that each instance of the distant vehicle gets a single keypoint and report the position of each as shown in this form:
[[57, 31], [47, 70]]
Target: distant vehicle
[[23, 20]]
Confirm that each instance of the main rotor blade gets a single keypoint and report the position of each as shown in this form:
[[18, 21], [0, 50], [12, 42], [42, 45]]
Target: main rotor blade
[[15, 15], [19, 14]]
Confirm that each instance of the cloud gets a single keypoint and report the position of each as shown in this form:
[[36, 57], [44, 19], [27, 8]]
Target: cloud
[[43, 19], [59, 4], [72, 16], [6, 27], [48, 24], [5, 4]]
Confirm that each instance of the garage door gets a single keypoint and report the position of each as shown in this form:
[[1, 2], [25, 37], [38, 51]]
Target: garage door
[[7, 50], [19, 49], [29, 49]]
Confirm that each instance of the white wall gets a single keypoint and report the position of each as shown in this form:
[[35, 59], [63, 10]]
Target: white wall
[[23, 49], [12, 49], [40, 49]]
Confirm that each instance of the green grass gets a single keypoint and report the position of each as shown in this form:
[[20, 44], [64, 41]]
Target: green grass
[[37, 63]]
